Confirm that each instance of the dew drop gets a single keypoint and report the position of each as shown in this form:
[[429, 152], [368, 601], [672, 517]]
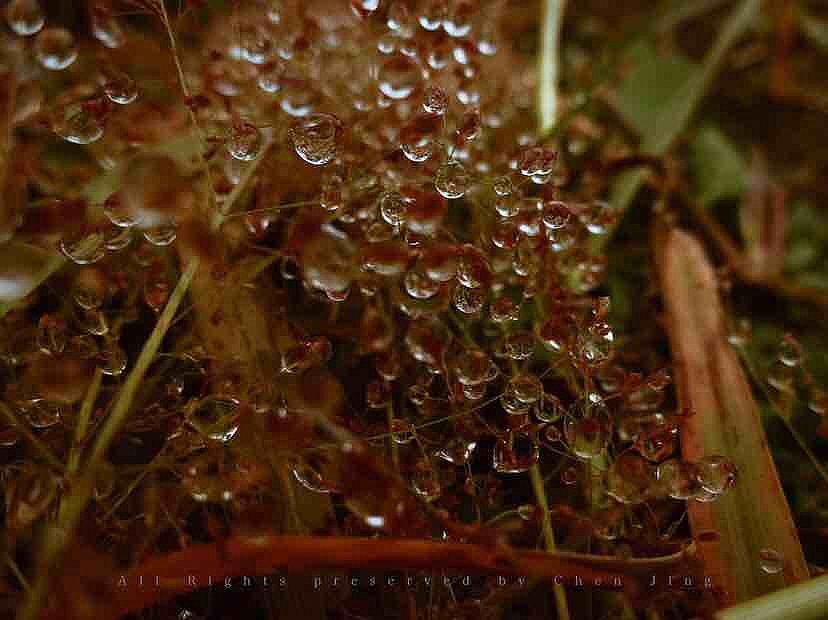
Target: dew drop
[[244, 141], [55, 48], [316, 138], [771, 561], [25, 17], [84, 248], [119, 87], [161, 236], [398, 77], [452, 180], [78, 123], [435, 100]]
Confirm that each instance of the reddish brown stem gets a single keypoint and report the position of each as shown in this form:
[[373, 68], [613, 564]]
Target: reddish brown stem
[[194, 567]]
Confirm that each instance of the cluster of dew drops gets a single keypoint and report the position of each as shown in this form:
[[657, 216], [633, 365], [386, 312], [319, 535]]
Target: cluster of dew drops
[[421, 202]]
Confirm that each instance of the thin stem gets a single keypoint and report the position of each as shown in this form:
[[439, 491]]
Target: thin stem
[[548, 65], [548, 536], [83, 421], [267, 553], [72, 509]]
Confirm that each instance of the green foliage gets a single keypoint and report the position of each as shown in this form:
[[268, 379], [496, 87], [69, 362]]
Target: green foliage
[[718, 167]]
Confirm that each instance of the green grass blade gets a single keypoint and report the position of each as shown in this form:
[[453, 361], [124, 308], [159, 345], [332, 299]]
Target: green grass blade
[[673, 119]]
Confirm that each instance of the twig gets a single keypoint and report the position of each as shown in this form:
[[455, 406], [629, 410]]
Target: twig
[[548, 536], [548, 64], [266, 554]]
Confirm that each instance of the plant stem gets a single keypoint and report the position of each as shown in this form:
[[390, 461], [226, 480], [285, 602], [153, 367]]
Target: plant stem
[[268, 553], [548, 536], [83, 421], [73, 506], [804, 601], [548, 63]]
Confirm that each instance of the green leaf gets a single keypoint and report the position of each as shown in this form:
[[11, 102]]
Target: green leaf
[[671, 119], [652, 85], [718, 166], [814, 29]]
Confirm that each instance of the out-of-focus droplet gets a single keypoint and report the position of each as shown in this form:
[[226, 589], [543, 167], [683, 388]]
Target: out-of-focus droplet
[[790, 352], [106, 29], [515, 455], [771, 561], [84, 248], [398, 77], [678, 479], [161, 236], [630, 479], [316, 138], [119, 87], [25, 17], [587, 436], [452, 180], [78, 122], [28, 495], [244, 141], [364, 8], [435, 100], [55, 48], [402, 432], [113, 360], [425, 482]]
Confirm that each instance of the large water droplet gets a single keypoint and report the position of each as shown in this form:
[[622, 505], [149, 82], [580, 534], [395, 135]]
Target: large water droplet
[[55, 48], [25, 17], [452, 180], [398, 77], [317, 138]]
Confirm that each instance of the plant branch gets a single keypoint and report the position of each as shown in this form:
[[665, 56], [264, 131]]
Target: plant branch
[[267, 553], [548, 536], [548, 64]]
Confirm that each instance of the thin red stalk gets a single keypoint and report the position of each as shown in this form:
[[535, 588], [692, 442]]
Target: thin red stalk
[[267, 554]]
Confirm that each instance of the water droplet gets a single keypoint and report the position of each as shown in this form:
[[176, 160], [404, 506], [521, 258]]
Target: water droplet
[[316, 138], [435, 100], [106, 29], [216, 417], [452, 180], [161, 236], [717, 474], [398, 77], [393, 208], [537, 161], [790, 352], [77, 122], [41, 413], [119, 87], [84, 248], [419, 285], [244, 141], [771, 561], [678, 479], [55, 48], [630, 479], [468, 300], [25, 17], [587, 436], [515, 455], [113, 360]]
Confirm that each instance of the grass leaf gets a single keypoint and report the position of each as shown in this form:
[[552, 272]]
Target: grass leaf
[[672, 118], [718, 166], [755, 514]]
